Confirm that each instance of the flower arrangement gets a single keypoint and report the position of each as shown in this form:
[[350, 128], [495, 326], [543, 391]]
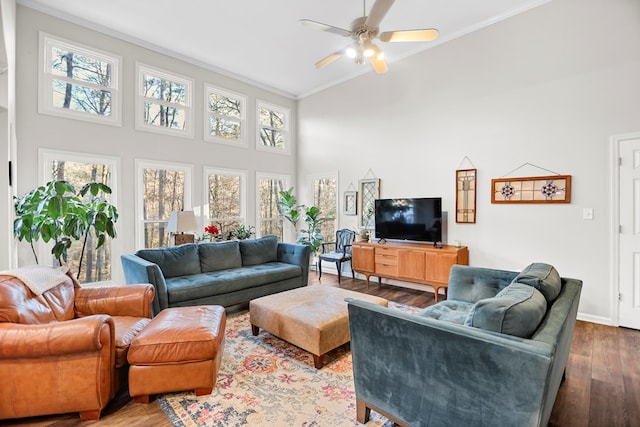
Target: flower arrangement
[[212, 229], [211, 233]]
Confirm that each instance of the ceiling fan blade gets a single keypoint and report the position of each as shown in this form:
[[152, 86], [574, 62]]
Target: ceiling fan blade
[[378, 11], [425, 35], [378, 64], [329, 59], [325, 27]]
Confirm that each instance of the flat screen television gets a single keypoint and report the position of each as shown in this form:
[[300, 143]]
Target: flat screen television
[[418, 219]]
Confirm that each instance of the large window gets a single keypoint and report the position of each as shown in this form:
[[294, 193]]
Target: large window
[[325, 197], [225, 195], [163, 102], [273, 128], [224, 116], [80, 169], [268, 193], [162, 189], [78, 82]]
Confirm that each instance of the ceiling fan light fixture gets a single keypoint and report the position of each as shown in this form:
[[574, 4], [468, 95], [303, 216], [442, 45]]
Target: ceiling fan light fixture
[[351, 52]]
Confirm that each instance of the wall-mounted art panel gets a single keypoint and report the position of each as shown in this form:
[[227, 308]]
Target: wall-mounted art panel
[[369, 192], [535, 189], [350, 203], [466, 195]]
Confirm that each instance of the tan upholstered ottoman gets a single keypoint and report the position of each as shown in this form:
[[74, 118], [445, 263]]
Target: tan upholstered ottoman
[[180, 349], [314, 318]]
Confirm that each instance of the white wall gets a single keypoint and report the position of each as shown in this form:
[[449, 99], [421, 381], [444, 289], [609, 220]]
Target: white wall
[[547, 87], [36, 131]]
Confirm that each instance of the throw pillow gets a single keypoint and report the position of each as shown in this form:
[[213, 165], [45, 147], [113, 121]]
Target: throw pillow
[[516, 310], [174, 261], [259, 251], [543, 277], [219, 256]]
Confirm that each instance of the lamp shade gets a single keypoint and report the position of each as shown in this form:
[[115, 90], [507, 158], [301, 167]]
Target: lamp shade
[[181, 221]]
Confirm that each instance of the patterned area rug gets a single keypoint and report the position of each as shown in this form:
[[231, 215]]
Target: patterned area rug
[[265, 381]]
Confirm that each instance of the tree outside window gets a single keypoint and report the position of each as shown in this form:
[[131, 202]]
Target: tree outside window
[[325, 197], [225, 193], [164, 192], [270, 220]]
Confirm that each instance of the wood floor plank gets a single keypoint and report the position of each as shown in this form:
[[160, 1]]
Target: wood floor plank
[[608, 395]]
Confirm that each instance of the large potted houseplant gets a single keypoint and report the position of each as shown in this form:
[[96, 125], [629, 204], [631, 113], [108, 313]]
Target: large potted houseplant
[[56, 213], [289, 207], [311, 236]]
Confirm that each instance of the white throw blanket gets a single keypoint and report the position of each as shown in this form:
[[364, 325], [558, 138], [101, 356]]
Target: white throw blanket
[[39, 278]]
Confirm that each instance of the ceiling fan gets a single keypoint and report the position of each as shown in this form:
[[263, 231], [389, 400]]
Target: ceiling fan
[[363, 31]]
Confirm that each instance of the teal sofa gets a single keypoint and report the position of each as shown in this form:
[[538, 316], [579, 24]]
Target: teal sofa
[[493, 354], [222, 273]]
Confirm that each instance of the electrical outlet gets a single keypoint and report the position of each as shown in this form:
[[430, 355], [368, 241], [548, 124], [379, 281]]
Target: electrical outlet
[[587, 213]]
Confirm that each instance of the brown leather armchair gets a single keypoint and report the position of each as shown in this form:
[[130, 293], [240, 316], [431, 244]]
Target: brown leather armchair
[[66, 349]]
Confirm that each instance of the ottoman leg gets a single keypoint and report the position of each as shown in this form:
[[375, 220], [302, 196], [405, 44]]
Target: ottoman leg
[[255, 330], [141, 399], [318, 361], [203, 391]]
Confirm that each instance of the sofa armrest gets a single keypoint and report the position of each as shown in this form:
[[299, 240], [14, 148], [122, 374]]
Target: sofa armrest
[[139, 270], [83, 335], [132, 300], [296, 254], [419, 369]]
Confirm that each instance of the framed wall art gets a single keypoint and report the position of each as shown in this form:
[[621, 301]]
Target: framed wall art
[[534, 189], [369, 192], [350, 203], [466, 196]]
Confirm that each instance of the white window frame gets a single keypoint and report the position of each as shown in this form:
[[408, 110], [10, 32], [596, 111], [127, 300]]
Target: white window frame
[[287, 134], [242, 142], [335, 176], [45, 157], [46, 77], [286, 179], [140, 166], [242, 174], [141, 70]]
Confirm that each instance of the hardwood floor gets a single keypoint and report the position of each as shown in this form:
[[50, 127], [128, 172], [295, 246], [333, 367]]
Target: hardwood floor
[[602, 387]]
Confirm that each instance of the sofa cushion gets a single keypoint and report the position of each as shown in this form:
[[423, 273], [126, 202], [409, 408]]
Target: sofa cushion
[[174, 261], [543, 277], [450, 311], [219, 256], [516, 310], [259, 251]]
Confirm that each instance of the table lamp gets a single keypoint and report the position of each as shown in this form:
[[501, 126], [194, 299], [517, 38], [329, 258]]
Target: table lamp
[[179, 222]]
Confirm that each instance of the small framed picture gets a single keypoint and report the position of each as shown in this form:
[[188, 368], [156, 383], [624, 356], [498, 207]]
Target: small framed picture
[[350, 203]]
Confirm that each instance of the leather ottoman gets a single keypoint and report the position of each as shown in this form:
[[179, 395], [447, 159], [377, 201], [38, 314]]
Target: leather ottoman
[[314, 318], [181, 349]]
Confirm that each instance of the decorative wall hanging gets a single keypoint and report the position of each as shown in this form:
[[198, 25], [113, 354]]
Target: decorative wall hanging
[[350, 203], [466, 193], [533, 189], [369, 192]]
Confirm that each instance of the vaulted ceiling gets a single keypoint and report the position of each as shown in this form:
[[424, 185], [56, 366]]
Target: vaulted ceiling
[[262, 41]]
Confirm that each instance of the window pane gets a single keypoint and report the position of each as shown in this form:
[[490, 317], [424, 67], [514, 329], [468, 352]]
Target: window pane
[[163, 193], [96, 264], [155, 235], [224, 128], [270, 219], [224, 196], [325, 197], [81, 98], [165, 116], [272, 138], [164, 90], [272, 119], [224, 106], [79, 67]]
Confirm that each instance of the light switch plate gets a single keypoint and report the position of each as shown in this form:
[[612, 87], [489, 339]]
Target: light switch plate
[[587, 213]]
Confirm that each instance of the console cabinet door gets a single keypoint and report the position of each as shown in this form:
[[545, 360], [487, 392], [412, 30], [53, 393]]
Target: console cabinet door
[[439, 266], [411, 264], [363, 258]]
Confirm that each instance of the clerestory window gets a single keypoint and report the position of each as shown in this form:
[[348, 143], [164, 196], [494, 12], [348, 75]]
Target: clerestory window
[[79, 82], [224, 116], [273, 128]]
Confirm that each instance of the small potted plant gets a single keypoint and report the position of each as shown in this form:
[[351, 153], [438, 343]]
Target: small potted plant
[[211, 233], [243, 232]]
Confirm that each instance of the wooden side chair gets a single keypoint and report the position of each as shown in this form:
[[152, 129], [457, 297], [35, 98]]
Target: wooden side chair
[[341, 251]]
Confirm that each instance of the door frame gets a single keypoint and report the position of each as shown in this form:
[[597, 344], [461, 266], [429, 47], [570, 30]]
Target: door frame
[[615, 142]]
